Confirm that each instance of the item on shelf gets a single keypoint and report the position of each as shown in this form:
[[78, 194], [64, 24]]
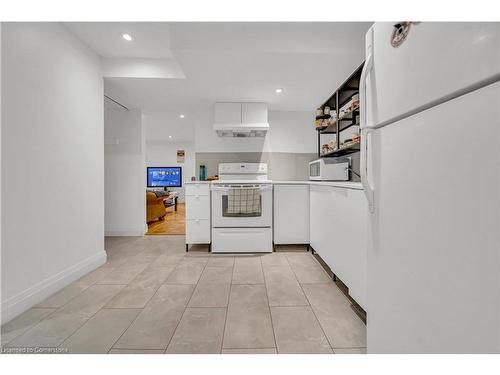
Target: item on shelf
[[212, 178], [356, 137], [332, 120], [349, 143], [321, 124], [326, 111], [202, 172], [319, 112], [325, 148], [355, 101], [345, 110]]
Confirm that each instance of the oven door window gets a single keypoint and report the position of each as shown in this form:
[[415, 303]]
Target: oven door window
[[246, 202]]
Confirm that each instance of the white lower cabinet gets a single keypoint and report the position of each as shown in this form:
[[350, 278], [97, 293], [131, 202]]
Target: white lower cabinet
[[198, 214], [338, 230], [291, 214], [197, 231], [197, 207], [197, 189], [320, 236]]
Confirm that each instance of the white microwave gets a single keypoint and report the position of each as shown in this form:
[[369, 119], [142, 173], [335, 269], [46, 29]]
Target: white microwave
[[329, 169]]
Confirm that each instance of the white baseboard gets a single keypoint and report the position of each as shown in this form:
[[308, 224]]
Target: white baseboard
[[21, 302]]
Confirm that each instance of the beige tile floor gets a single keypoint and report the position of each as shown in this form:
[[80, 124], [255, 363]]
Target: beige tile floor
[[153, 297]]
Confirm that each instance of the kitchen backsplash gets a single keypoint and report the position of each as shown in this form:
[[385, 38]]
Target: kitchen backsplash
[[282, 165]]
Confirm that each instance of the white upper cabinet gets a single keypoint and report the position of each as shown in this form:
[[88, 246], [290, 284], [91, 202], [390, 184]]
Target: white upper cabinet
[[241, 119], [240, 113], [254, 113], [228, 113]]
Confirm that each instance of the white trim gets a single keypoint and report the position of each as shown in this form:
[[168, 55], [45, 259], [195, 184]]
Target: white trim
[[26, 299]]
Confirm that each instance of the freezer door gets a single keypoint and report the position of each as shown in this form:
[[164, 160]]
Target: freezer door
[[433, 268], [435, 61]]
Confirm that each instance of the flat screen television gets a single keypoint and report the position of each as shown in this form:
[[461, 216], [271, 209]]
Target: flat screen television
[[164, 177]]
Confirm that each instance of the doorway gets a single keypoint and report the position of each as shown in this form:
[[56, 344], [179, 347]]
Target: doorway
[[165, 215]]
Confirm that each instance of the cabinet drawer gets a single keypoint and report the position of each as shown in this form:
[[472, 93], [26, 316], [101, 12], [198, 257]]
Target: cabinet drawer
[[243, 240], [197, 189], [197, 231], [197, 207]]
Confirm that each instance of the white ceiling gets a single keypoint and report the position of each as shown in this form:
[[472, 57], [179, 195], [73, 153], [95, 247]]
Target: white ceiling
[[230, 62], [150, 39], [167, 126]]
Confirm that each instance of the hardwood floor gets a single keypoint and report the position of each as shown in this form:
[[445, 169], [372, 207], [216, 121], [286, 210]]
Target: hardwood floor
[[174, 222]]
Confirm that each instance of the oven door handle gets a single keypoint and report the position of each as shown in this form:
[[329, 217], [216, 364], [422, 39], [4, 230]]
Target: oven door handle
[[240, 187]]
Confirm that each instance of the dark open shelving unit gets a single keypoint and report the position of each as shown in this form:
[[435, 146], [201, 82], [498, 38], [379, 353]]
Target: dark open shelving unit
[[338, 99], [342, 151]]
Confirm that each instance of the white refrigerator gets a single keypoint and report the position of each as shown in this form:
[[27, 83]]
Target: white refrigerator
[[430, 99]]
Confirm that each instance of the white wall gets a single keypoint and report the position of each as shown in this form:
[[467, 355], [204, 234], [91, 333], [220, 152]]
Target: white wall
[[125, 174], [164, 154], [52, 163], [289, 131]]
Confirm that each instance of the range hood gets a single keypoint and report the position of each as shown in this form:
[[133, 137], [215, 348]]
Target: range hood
[[241, 120], [241, 130]]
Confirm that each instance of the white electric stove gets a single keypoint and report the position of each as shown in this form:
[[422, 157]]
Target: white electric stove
[[242, 209]]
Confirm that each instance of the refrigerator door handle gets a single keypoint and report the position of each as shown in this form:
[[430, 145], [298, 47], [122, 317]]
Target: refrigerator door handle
[[362, 91], [365, 135], [365, 153]]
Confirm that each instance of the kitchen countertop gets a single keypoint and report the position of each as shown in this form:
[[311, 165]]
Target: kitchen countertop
[[243, 182], [340, 184]]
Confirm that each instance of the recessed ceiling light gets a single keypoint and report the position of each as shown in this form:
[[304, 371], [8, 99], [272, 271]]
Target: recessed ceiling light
[[279, 90], [127, 37], [182, 115], [169, 136]]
